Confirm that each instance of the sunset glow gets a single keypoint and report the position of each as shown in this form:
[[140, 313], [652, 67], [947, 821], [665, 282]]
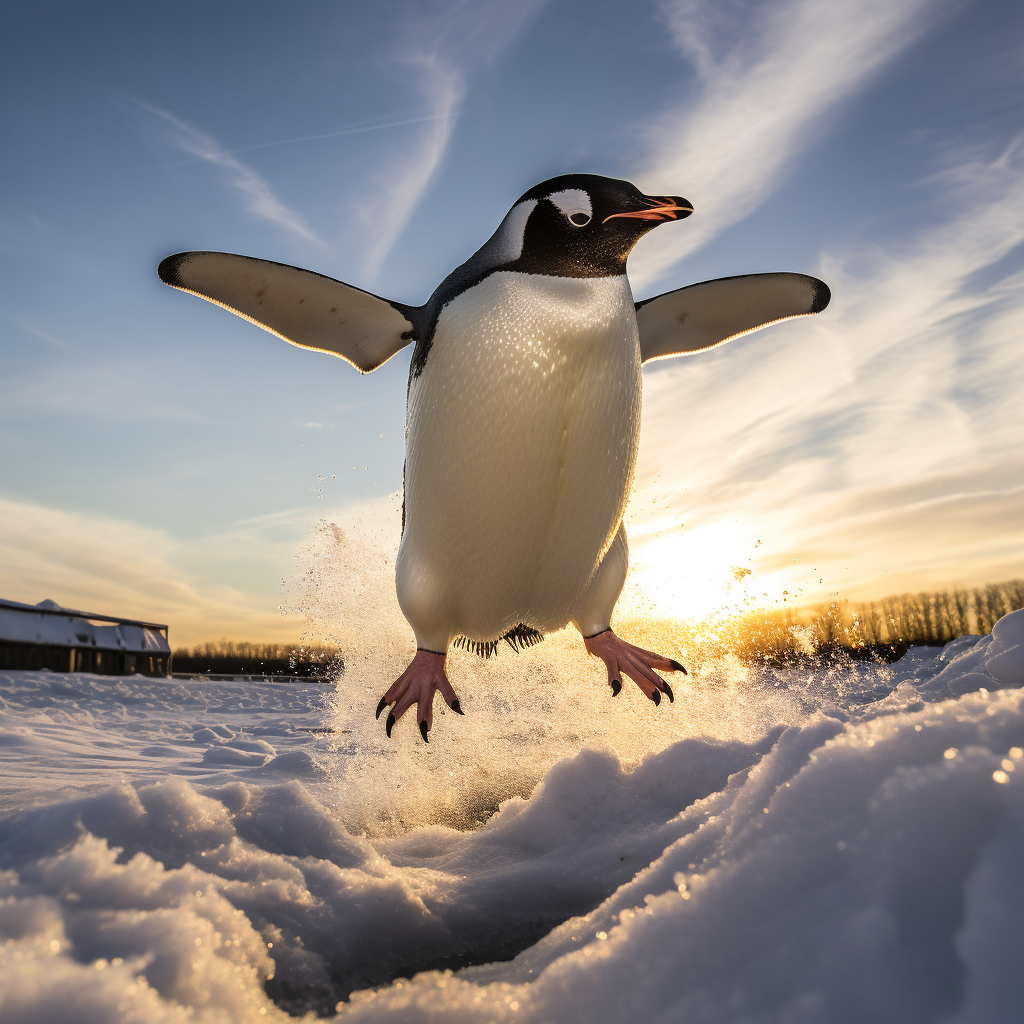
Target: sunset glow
[[165, 460], [693, 574]]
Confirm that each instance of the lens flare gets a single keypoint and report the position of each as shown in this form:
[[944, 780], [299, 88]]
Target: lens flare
[[695, 574]]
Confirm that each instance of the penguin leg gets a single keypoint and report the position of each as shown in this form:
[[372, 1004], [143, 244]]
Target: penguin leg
[[416, 685], [424, 604], [622, 658], [594, 622]]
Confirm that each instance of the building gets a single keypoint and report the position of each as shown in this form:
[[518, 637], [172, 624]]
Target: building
[[45, 635]]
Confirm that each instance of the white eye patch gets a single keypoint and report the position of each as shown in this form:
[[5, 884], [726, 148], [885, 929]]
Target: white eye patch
[[575, 204], [508, 239]]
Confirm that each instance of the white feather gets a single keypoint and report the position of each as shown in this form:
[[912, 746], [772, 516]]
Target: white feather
[[572, 200], [507, 242], [523, 431]]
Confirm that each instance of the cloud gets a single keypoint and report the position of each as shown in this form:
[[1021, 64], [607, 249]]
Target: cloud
[[361, 128], [882, 441], [221, 585], [401, 185], [37, 332], [257, 195], [112, 389], [442, 48], [766, 80]]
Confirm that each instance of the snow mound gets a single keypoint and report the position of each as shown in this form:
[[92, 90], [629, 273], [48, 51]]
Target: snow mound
[[857, 873], [858, 861], [991, 662]]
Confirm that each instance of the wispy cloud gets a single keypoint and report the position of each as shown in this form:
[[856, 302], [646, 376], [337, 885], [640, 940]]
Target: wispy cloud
[[402, 184], [442, 48], [256, 194], [30, 328], [223, 585], [881, 444], [107, 389], [360, 128], [767, 77]]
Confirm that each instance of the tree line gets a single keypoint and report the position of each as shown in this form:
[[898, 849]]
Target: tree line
[[225, 657], [881, 629], [884, 628]]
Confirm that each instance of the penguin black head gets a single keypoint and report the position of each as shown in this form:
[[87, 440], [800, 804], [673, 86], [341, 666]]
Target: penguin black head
[[580, 225], [575, 225]]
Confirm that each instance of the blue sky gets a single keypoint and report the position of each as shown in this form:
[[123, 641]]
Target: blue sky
[[164, 459]]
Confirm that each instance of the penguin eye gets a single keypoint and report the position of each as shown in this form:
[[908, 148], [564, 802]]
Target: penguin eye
[[574, 205]]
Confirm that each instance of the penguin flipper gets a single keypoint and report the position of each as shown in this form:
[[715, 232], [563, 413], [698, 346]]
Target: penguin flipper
[[701, 316], [303, 308]]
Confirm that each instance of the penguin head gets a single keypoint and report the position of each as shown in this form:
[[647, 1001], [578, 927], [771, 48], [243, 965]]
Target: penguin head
[[582, 225]]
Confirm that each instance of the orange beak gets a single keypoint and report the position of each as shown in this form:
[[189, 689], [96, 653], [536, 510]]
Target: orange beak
[[659, 208]]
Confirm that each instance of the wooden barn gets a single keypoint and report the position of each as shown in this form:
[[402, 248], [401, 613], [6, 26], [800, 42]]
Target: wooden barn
[[44, 635]]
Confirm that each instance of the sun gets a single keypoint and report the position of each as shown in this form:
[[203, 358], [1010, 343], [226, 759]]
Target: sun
[[694, 574]]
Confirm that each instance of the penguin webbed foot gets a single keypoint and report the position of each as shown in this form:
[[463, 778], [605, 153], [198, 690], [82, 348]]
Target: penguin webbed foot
[[416, 685], [625, 659]]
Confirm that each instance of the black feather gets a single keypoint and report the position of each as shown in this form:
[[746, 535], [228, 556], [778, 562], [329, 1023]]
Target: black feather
[[518, 638]]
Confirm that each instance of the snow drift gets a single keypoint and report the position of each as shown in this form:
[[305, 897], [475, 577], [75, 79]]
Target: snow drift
[[845, 859]]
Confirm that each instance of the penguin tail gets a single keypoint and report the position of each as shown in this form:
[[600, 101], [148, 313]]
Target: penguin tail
[[523, 636], [518, 638]]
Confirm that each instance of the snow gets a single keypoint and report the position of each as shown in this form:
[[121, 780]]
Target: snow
[[991, 662], [800, 845], [24, 623]]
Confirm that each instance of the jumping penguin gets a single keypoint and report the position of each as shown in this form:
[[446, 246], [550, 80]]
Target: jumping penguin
[[523, 413]]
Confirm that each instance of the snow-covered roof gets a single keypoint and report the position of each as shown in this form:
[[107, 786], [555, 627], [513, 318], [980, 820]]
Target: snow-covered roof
[[48, 623]]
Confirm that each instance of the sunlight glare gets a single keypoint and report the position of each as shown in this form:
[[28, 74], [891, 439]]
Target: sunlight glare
[[697, 573]]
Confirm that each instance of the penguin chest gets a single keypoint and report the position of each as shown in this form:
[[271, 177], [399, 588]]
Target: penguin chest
[[522, 438]]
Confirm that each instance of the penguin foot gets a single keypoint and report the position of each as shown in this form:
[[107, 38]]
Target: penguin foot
[[621, 659], [416, 685]]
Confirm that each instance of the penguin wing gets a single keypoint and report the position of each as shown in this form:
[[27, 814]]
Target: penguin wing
[[303, 308], [704, 315]]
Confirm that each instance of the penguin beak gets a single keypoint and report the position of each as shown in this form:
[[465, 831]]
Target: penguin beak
[[658, 208]]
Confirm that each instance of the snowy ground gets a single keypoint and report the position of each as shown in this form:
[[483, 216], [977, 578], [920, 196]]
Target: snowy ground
[[832, 845]]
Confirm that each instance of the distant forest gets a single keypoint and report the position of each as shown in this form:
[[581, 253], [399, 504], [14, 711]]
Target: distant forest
[[882, 629], [228, 658]]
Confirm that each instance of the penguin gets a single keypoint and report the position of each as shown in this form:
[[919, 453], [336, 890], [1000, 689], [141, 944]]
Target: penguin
[[523, 402]]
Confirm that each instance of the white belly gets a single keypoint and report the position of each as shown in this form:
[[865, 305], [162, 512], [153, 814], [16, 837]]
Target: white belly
[[522, 439]]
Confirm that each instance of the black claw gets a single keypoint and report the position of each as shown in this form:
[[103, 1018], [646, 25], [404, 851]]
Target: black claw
[[390, 724], [676, 667], [668, 692], [616, 687], [381, 706], [656, 697], [423, 731], [457, 707]]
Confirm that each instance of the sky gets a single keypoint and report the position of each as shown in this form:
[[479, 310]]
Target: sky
[[160, 458]]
